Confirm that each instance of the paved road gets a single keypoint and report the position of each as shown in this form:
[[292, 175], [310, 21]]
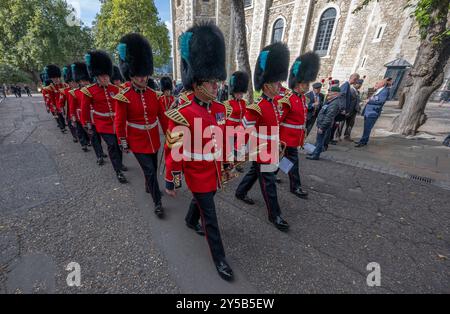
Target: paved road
[[57, 206]]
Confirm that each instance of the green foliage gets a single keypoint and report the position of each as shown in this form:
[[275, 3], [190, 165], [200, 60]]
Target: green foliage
[[119, 17], [12, 75], [36, 33]]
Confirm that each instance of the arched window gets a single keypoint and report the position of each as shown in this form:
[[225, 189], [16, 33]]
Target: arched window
[[324, 32], [277, 32]]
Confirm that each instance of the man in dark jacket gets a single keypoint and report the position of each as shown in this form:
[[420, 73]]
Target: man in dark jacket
[[325, 119], [315, 100], [354, 109]]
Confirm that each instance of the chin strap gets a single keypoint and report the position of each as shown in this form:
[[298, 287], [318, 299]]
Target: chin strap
[[204, 94]]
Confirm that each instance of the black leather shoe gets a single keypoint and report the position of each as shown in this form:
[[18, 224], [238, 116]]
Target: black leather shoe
[[123, 168], [85, 149], [121, 177], [360, 145], [64, 131], [197, 228], [159, 211], [277, 180], [89, 144], [224, 270], [280, 223], [245, 199], [300, 193], [312, 157], [75, 140], [100, 161], [104, 155]]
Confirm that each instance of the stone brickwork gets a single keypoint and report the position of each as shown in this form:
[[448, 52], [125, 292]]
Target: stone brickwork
[[353, 45]]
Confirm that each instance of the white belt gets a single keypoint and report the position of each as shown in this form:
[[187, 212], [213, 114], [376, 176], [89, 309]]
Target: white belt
[[106, 114], [234, 120], [143, 126], [79, 114], [293, 126], [205, 157], [265, 136]]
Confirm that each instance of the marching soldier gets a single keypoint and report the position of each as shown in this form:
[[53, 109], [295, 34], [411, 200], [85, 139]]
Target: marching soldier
[[117, 78], [138, 111], [45, 91], [53, 72], [166, 99], [98, 107], [294, 112], [263, 118], [81, 76], [238, 105], [203, 66], [64, 99]]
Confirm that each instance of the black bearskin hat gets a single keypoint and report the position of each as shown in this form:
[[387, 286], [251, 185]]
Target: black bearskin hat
[[67, 74], [305, 69], [152, 84], [136, 57], [166, 83], [202, 50], [42, 77], [239, 82], [52, 71], [80, 72], [98, 63], [116, 76], [272, 65]]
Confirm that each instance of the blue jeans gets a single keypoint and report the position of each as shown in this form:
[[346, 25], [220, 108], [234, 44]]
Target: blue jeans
[[368, 126], [320, 142]]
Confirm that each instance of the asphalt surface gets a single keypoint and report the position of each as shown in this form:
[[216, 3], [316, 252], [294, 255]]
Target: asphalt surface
[[57, 206]]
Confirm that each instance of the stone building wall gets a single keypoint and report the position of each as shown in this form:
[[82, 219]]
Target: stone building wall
[[352, 46]]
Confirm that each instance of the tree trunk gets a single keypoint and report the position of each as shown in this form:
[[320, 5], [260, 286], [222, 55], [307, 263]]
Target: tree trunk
[[427, 73], [237, 6]]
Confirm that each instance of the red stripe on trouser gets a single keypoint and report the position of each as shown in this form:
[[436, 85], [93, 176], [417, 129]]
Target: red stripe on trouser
[[266, 197], [203, 224]]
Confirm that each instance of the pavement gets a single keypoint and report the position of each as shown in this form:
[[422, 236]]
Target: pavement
[[57, 206]]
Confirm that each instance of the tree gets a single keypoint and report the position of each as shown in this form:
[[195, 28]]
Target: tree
[[119, 17], [36, 33], [9, 74], [237, 7], [427, 73]]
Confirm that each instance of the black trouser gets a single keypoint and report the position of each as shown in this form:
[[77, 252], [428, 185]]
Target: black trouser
[[82, 135], [349, 124], [73, 130], [114, 152], [61, 121], [202, 206], [96, 142], [149, 165], [309, 124], [291, 153], [268, 188]]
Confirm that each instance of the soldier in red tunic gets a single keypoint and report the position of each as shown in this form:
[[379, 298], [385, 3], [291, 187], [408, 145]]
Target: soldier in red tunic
[[138, 112], [203, 66], [98, 108], [237, 104], [263, 118], [294, 112], [53, 72], [166, 99], [81, 77], [64, 99]]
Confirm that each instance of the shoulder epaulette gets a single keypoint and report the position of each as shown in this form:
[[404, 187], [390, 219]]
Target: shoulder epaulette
[[255, 107], [176, 116], [228, 108], [85, 91], [184, 96], [72, 92], [61, 90], [285, 100], [121, 95]]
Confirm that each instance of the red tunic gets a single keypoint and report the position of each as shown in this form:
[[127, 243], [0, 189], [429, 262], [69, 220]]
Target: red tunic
[[72, 105], [165, 102], [46, 95], [293, 118], [137, 117], [263, 120], [201, 164], [98, 107], [238, 107], [75, 104]]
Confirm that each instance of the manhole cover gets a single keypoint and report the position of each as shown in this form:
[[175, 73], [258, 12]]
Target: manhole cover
[[421, 179]]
